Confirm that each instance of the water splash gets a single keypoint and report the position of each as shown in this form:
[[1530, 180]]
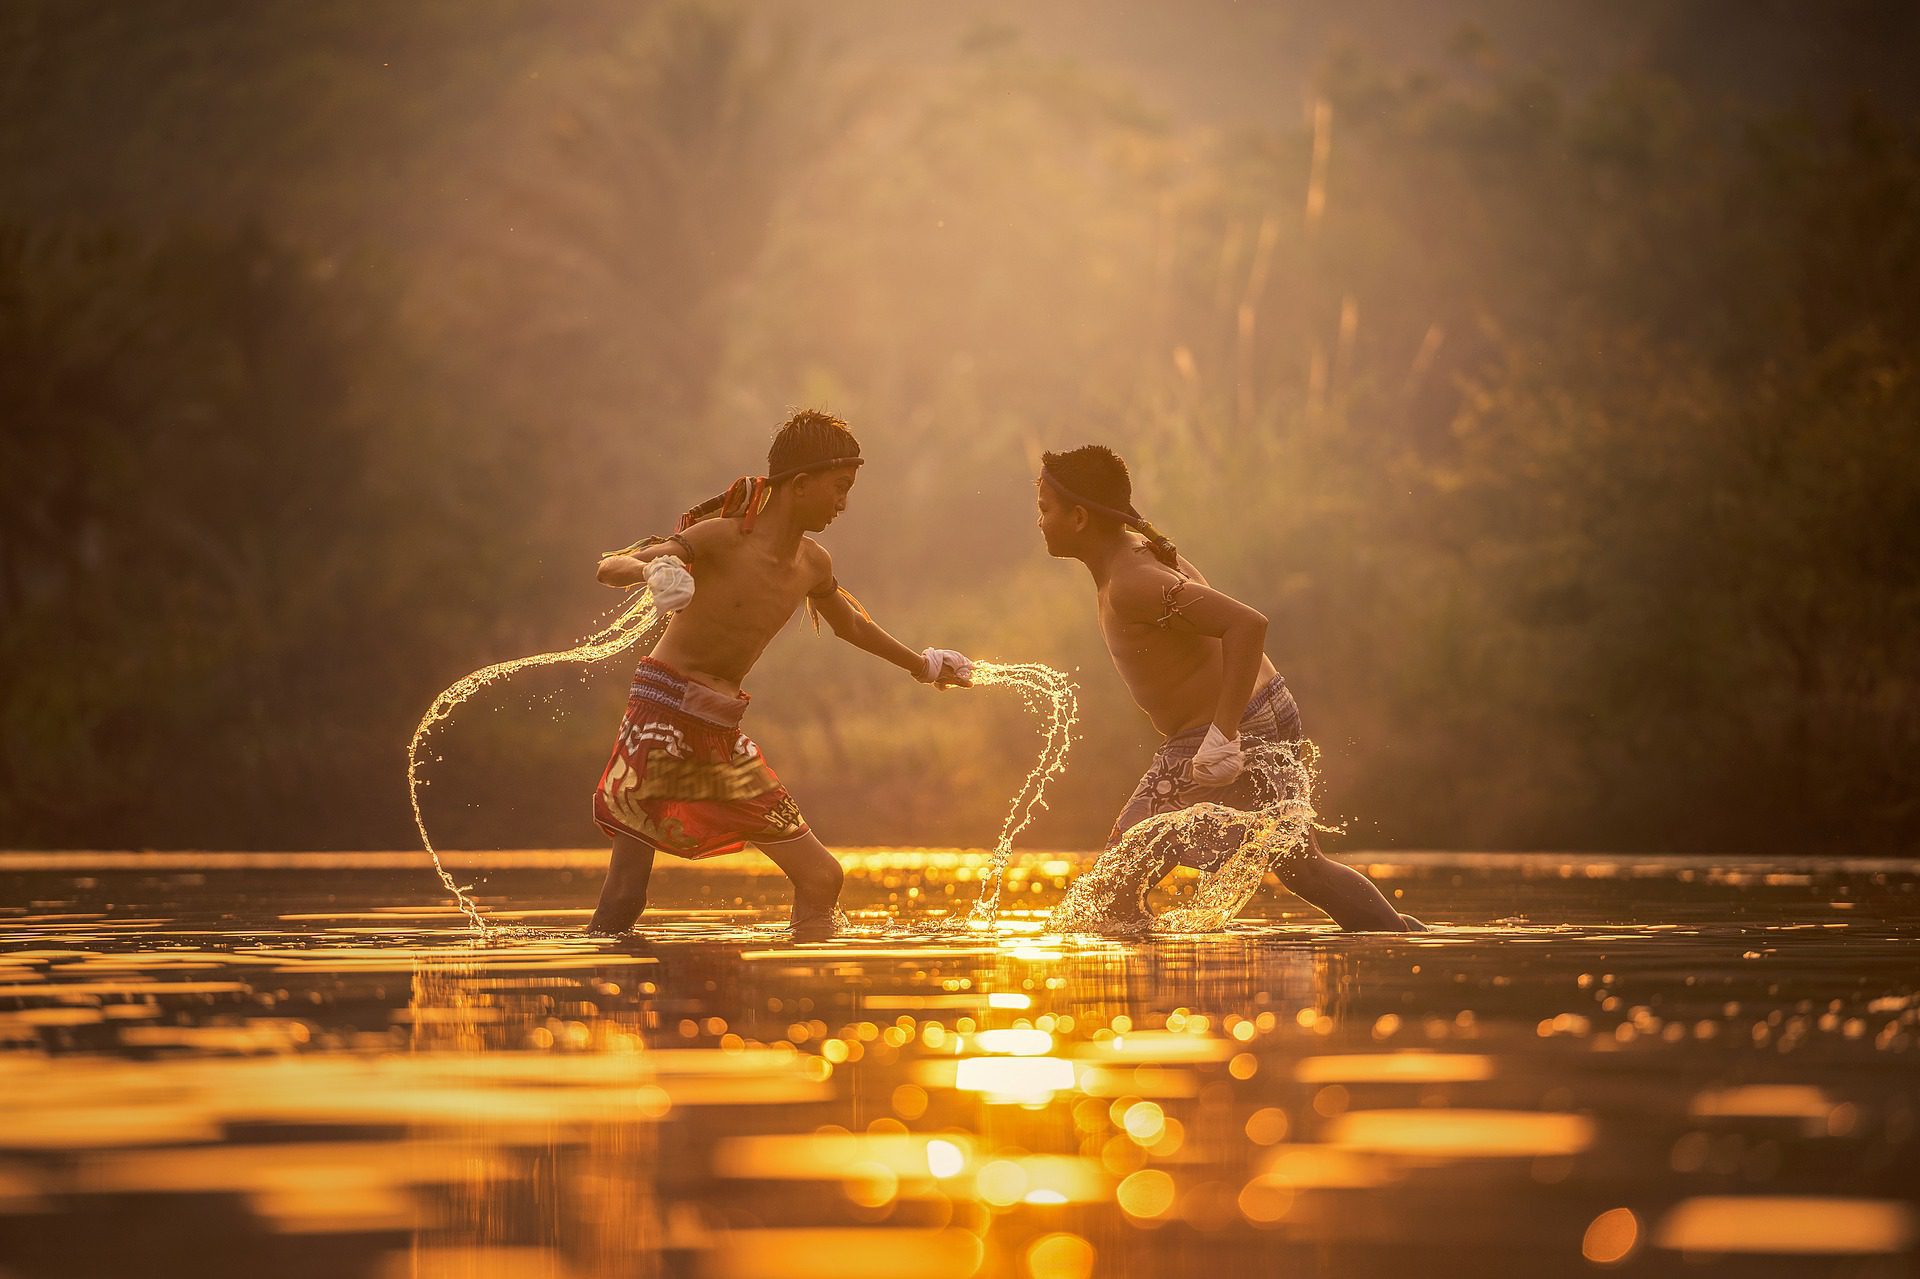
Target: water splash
[[1045, 691], [1240, 845], [634, 620], [1050, 694]]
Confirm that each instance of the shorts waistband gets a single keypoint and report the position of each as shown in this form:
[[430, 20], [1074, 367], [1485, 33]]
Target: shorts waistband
[[655, 681], [1261, 699]]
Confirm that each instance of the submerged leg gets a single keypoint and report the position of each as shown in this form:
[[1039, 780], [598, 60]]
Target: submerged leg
[[1347, 896], [816, 877], [624, 894], [1113, 895]]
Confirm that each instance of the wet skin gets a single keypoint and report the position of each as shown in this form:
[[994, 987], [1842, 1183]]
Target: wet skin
[[1197, 670], [748, 582]]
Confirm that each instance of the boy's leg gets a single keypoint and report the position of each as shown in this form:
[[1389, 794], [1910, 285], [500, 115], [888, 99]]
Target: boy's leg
[[624, 894], [816, 877], [1347, 896]]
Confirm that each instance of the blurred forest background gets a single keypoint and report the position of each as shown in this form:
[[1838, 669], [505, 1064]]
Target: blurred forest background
[[1548, 371]]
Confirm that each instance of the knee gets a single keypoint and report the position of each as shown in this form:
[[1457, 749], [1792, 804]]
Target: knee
[[1304, 869]]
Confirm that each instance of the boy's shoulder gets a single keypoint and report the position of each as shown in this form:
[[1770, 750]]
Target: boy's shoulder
[[712, 536], [1141, 585], [1136, 585], [814, 557], [1143, 572], [816, 565]]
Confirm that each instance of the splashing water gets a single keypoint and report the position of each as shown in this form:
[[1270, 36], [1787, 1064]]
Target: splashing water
[[1051, 694], [1240, 846], [634, 620], [1045, 691]]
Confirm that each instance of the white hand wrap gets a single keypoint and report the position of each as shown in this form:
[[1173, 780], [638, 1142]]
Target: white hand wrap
[[1219, 760], [944, 666], [671, 584]]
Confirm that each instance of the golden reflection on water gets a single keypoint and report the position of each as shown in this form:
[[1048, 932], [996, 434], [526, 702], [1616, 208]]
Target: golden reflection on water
[[1020, 1042], [1461, 1133], [1410, 1066], [829, 1253], [1788, 1225], [1024, 1081], [1327, 1168], [714, 1100], [1611, 1237]]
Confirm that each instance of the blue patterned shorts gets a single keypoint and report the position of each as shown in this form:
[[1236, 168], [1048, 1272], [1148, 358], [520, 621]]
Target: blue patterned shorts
[[1168, 785]]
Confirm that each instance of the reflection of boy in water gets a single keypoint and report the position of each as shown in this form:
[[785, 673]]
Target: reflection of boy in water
[[683, 778], [1195, 661]]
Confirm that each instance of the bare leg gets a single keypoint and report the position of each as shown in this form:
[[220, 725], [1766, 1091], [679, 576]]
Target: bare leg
[[1122, 907], [816, 877], [624, 894], [1346, 895]]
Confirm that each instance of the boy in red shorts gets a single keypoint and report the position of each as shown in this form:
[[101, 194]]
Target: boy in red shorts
[[683, 778]]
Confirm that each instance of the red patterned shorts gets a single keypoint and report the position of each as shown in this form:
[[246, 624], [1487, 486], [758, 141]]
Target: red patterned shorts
[[684, 779]]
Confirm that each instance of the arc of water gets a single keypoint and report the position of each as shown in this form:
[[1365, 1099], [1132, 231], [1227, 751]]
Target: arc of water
[[1108, 896], [1045, 691], [1038, 685], [633, 621]]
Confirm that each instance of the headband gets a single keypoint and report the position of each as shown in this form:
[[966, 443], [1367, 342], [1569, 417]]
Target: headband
[[824, 464], [1162, 547]]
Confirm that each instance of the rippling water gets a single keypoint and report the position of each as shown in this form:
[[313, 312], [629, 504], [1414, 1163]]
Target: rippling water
[[301, 1064]]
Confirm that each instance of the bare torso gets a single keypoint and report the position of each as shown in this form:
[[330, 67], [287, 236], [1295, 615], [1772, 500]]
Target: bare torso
[[1173, 674], [746, 588]]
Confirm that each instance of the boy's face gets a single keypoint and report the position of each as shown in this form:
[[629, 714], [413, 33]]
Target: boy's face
[[1060, 524], [820, 496]]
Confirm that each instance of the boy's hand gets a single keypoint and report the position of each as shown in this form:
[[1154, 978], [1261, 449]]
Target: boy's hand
[[1219, 759], [945, 668], [671, 584]]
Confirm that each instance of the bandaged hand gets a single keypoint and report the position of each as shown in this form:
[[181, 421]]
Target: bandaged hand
[[944, 667], [671, 584], [1219, 760]]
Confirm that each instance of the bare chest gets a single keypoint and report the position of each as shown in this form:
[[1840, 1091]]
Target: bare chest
[[751, 591]]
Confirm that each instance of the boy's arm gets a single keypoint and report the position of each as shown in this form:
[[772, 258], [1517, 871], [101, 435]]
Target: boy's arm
[[1155, 595], [852, 624], [628, 570]]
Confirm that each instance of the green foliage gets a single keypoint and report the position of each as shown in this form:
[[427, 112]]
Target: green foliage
[[1565, 429]]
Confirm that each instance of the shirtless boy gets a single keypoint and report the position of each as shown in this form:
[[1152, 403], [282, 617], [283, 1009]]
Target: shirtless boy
[[1195, 661], [683, 778]]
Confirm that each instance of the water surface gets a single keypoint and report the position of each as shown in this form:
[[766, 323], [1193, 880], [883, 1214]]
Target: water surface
[[303, 1064]]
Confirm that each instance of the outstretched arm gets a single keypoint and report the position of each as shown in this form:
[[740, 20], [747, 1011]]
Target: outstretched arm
[[852, 624]]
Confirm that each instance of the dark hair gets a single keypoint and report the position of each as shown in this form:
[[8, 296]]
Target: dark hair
[[810, 441], [1093, 477], [1096, 472]]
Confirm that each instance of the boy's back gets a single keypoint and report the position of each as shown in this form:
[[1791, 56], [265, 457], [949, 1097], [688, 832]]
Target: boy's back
[[1172, 671]]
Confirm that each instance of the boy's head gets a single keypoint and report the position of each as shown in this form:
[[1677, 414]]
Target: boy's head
[[813, 459], [1082, 493]]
